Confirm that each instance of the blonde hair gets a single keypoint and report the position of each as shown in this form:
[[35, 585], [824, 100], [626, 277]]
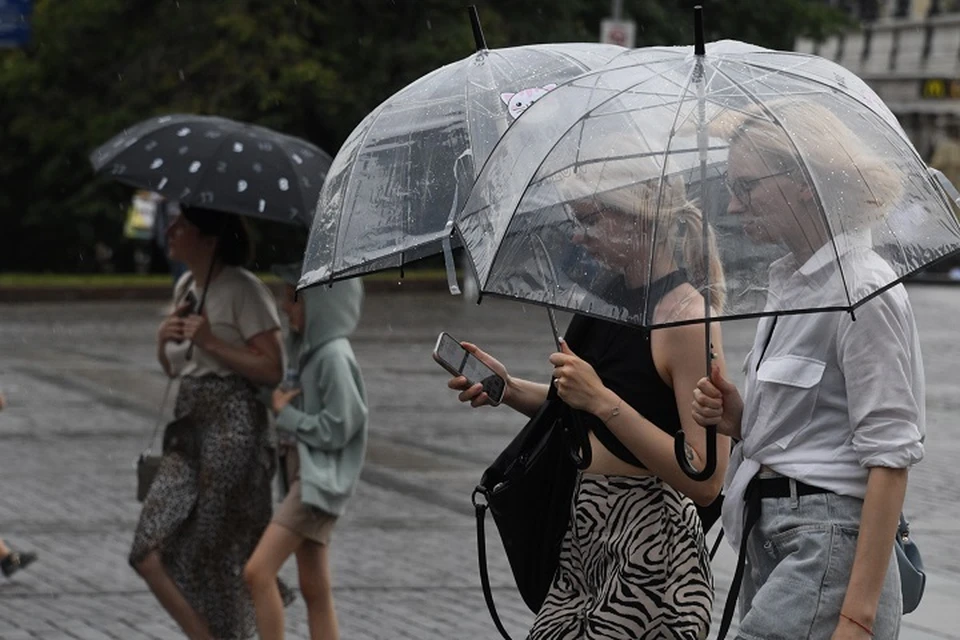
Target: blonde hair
[[678, 221], [800, 133], [679, 224]]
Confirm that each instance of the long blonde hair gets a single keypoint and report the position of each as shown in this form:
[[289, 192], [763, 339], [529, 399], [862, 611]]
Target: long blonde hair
[[678, 224]]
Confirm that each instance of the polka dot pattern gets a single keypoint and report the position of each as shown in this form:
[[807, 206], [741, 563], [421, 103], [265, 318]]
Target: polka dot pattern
[[218, 163]]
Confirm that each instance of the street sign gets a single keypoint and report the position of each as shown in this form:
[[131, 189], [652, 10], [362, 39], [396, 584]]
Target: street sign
[[14, 23], [619, 32]]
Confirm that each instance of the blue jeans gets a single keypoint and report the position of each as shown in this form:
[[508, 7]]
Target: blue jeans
[[799, 558]]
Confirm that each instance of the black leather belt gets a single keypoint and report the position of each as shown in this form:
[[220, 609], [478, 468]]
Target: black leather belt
[[779, 487]]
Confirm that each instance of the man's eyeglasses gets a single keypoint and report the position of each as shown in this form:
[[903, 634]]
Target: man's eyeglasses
[[740, 188]]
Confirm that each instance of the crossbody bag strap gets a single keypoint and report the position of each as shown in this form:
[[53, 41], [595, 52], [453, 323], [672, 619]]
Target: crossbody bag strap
[[752, 515], [166, 391], [481, 509], [159, 421]]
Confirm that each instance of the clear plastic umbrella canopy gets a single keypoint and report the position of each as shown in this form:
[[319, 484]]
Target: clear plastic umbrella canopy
[[406, 170], [743, 168]]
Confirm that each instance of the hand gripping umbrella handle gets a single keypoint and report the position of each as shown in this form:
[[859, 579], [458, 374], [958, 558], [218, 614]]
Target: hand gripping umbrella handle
[[680, 450]]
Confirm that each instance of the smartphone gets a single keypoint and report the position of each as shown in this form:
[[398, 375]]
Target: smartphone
[[459, 362]]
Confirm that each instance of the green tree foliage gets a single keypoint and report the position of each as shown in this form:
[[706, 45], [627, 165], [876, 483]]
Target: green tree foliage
[[311, 68]]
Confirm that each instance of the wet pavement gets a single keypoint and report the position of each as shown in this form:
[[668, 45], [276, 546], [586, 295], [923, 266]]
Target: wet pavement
[[83, 388]]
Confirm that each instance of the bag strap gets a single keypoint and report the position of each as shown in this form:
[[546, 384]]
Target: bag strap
[[481, 509], [716, 544], [159, 421], [166, 392], [752, 515]]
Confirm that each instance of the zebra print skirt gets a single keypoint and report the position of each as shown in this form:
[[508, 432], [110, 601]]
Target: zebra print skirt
[[634, 564]]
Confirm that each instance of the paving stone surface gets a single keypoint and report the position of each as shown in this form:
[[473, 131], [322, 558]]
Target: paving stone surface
[[83, 389]]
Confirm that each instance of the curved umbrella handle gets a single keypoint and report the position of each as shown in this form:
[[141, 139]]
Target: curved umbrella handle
[[680, 450]]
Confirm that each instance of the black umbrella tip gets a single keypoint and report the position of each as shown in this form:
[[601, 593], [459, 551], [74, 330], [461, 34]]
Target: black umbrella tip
[[478, 38], [699, 48]]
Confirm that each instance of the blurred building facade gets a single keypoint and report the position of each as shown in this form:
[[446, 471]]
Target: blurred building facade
[[908, 51]]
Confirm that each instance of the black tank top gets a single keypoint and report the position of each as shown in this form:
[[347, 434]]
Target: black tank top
[[622, 357]]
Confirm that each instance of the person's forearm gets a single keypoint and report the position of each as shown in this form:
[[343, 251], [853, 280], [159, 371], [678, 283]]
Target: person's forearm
[[878, 524], [655, 448], [250, 364], [525, 396]]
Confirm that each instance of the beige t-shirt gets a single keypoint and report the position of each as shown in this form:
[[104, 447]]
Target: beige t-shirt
[[238, 307]]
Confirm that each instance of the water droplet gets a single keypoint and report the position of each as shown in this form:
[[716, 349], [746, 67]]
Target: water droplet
[[284, 184], [184, 132], [237, 147], [241, 186], [157, 163], [181, 75], [194, 166]]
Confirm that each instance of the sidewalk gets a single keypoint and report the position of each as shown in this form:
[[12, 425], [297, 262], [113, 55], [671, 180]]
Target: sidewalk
[[83, 385]]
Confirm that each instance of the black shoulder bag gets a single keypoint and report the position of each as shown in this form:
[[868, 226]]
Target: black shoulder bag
[[529, 491]]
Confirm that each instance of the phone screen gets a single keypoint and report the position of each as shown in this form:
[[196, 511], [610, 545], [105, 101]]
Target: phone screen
[[462, 362], [450, 351]]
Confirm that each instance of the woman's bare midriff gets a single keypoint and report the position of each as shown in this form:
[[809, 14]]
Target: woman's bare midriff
[[605, 463]]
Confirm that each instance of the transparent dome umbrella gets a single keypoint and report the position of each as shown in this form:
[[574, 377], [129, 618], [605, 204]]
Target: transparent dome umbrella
[[219, 164], [406, 170], [819, 170]]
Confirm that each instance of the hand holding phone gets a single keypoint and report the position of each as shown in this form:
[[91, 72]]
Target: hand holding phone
[[451, 355]]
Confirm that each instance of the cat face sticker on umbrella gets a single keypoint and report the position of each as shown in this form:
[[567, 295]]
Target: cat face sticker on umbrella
[[518, 102], [406, 170]]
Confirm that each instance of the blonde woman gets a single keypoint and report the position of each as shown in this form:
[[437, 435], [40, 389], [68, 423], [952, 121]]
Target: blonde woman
[[832, 415], [633, 562]]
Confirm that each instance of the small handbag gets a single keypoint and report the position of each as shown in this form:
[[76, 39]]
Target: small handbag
[[179, 436], [147, 463], [147, 467], [912, 577]]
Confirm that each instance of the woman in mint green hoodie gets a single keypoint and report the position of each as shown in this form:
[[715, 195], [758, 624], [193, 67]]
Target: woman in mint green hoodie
[[323, 432]]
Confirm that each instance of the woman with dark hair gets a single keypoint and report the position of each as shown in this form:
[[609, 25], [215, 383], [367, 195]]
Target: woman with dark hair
[[211, 501]]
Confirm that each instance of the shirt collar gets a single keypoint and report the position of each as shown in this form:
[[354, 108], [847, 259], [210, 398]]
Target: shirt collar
[[817, 270], [828, 254]]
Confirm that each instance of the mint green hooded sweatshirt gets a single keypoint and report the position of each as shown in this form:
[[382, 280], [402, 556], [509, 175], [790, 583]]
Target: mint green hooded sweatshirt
[[329, 417]]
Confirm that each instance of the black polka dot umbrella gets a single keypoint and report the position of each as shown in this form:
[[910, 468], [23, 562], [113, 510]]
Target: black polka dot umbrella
[[220, 164]]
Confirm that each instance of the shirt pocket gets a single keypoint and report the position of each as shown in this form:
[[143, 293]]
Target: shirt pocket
[[788, 387]]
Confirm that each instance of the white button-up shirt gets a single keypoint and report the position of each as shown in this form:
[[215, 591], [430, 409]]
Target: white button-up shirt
[[832, 395]]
